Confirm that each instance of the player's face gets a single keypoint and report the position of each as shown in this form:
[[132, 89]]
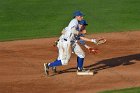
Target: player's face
[[82, 29], [79, 18]]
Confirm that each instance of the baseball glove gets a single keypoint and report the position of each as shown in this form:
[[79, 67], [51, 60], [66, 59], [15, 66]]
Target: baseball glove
[[55, 43], [100, 41], [92, 50]]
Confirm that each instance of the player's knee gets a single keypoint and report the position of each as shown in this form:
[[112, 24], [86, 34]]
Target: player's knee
[[81, 55]]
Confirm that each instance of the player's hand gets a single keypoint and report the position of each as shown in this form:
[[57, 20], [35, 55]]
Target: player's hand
[[55, 43]]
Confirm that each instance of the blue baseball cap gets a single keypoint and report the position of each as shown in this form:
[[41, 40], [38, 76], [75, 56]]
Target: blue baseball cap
[[83, 22], [78, 13]]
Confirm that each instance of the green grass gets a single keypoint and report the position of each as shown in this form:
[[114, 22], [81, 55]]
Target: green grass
[[26, 19], [127, 90]]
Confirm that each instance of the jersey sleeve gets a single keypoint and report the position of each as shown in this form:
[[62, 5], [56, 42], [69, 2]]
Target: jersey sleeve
[[82, 42]]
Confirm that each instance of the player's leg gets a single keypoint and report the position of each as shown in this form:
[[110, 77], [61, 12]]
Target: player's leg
[[63, 56], [80, 56], [56, 62], [66, 54], [80, 61]]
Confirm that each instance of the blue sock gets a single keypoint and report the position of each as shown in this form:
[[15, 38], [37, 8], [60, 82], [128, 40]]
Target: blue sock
[[80, 62], [55, 63]]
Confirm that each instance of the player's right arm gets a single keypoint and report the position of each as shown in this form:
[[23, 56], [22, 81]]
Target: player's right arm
[[87, 39]]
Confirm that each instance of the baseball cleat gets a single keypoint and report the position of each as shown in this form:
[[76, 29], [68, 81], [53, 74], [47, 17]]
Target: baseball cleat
[[46, 68], [83, 70]]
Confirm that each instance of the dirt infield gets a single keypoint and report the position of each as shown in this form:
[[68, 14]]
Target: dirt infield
[[117, 66]]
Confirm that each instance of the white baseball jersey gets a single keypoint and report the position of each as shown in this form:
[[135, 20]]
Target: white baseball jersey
[[64, 44], [70, 30]]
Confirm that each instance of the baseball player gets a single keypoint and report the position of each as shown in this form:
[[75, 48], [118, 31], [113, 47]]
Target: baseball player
[[64, 43], [77, 49]]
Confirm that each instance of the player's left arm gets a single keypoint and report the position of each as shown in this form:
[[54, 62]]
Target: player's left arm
[[91, 50]]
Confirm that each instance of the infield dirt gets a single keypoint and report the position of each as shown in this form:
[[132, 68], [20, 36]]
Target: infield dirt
[[117, 65]]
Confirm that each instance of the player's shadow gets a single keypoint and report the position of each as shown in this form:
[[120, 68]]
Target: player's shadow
[[114, 62], [108, 63]]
